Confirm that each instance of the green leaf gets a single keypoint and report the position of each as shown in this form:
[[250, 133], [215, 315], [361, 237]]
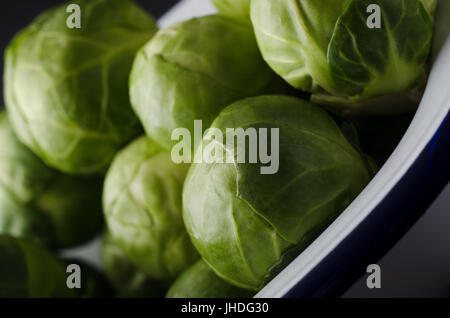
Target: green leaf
[[293, 36], [200, 281], [237, 8], [326, 47], [127, 280], [192, 70], [241, 221], [42, 204], [142, 206], [67, 89], [368, 62]]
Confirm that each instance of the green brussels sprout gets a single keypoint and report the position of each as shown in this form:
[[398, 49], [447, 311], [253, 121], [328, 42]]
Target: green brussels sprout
[[127, 280], [200, 281], [327, 47], [246, 224], [193, 70], [67, 89], [238, 8], [43, 204], [28, 270], [142, 206]]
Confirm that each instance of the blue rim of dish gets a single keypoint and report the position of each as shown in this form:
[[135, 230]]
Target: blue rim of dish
[[385, 225]]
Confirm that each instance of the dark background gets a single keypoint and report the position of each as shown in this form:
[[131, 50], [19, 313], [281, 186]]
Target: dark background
[[17, 14]]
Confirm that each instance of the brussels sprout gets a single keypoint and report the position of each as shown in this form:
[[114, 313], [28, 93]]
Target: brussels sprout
[[67, 89], [246, 224], [42, 204], [142, 206], [200, 281], [238, 8], [326, 47], [28, 270], [193, 70], [127, 280]]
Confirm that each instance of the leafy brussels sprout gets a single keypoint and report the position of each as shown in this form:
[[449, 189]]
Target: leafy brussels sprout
[[28, 270], [327, 47], [193, 70], [142, 205], [246, 224], [67, 89], [43, 204], [238, 8], [200, 281], [127, 280]]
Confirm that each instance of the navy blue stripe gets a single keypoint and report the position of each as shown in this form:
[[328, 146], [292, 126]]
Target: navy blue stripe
[[385, 225]]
